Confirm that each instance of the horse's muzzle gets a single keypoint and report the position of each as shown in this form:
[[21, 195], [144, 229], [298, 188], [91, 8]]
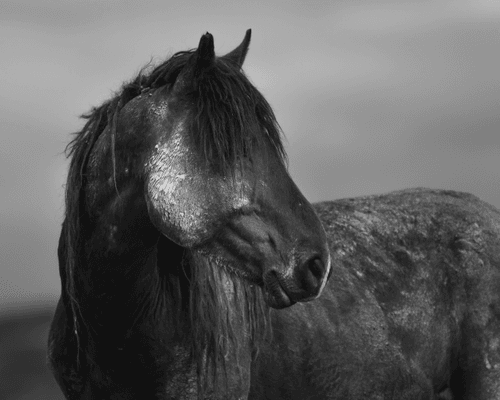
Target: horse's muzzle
[[305, 284]]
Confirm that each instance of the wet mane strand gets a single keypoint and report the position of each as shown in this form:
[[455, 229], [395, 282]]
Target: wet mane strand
[[228, 317]]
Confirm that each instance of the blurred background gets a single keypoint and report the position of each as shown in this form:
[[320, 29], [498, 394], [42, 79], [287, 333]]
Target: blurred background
[[372, 95]]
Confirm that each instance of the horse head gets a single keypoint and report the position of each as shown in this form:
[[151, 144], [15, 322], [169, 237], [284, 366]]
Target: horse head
[[216, 180]]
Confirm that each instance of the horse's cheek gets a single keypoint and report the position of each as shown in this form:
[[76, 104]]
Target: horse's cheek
[[173, 211], [187, 202], [184, 208]]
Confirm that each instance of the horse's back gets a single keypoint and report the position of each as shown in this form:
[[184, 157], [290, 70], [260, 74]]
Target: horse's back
[[412, 305]]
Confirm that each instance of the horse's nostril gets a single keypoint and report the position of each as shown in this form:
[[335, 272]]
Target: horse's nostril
[[316, 267], [312, 274]]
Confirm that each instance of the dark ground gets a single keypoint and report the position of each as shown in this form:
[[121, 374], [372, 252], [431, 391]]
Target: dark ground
[[23, 348]]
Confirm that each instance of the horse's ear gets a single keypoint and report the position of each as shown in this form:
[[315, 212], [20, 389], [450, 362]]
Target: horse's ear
[[204, 56], [201, 60], [237, 56]]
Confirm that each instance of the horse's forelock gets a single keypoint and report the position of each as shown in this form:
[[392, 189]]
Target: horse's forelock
[[230, 116]]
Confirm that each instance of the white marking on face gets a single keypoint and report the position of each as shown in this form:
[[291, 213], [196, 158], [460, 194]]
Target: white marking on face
[[188, 198]]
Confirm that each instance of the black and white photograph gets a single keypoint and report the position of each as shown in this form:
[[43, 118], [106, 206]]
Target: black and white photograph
[[250, 200]]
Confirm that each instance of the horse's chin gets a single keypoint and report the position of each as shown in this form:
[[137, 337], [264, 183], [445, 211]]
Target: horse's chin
[[274, 293], [278, 300]]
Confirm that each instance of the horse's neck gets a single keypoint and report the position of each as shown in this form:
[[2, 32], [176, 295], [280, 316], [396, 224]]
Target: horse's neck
[[119, 283]]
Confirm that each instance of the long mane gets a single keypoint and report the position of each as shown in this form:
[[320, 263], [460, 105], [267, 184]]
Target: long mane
[[225, 110]]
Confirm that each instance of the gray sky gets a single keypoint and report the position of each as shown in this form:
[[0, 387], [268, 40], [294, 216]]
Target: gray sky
[[372, 95]]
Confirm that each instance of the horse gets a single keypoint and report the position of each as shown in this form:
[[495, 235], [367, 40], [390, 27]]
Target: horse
[[192, 267]]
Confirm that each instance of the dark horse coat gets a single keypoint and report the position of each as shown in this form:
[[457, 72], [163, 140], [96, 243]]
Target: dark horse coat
[[186, 245], [413, 305]]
